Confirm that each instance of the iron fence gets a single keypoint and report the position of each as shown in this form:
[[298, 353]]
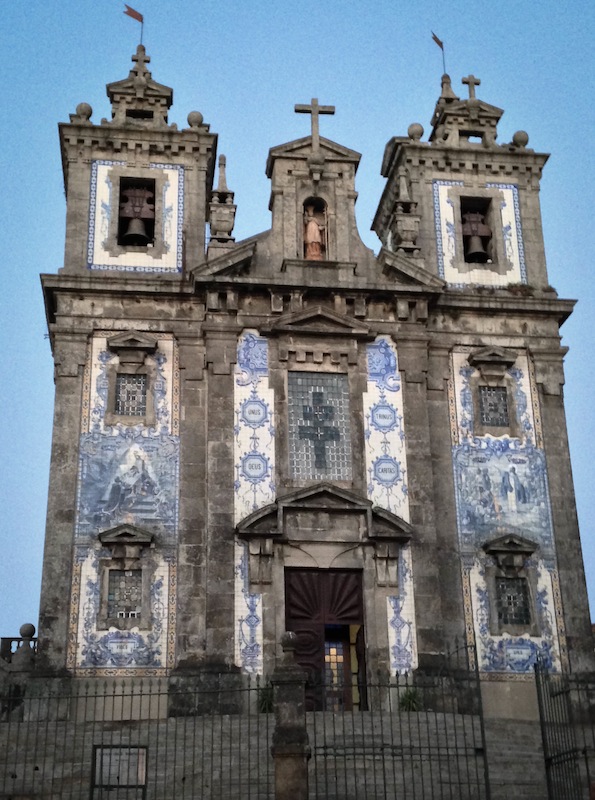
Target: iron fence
[[127, 740], [209, 737], [420, 737], [567, 715]]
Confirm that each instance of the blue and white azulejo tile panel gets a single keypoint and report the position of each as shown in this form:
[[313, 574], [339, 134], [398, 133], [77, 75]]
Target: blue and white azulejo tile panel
[[254, 484], [386, 460], [501, 488], [505, 220], [128, 474], [402, 642], [386, 467], [169, 221]]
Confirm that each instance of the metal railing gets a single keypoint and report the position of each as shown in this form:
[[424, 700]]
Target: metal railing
[[209, 737], [567, 715], [182, 738], [420, 737]]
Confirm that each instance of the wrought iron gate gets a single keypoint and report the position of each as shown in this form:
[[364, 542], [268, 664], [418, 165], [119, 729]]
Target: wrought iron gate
[[567, 715]]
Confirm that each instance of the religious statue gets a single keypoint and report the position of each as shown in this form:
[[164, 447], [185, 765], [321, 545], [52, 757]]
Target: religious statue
[[313, 236]]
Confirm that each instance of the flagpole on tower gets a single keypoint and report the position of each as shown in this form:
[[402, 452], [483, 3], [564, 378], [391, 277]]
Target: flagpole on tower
[[440, 44], [137, 16]]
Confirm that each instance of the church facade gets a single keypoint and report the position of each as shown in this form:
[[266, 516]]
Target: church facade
[[293, 433]]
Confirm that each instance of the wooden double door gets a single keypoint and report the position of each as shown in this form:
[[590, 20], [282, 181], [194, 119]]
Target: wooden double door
[[325, 609]]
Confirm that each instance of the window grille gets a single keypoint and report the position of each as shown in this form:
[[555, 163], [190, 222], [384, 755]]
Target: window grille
[[319, 426], [493, 406], [131, 395], [124, 597], [513, 601]]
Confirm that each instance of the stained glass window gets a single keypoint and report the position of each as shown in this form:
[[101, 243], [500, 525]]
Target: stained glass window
[[319, 426], [131, 395], [124, 597], [513, 601], [493, 406]]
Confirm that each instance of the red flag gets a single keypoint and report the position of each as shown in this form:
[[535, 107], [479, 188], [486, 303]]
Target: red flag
[[134, 14], [438, 41]]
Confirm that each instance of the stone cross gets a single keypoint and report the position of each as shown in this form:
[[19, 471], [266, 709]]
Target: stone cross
[[471, 81], [320, 432], [141, 59], [315, 110]]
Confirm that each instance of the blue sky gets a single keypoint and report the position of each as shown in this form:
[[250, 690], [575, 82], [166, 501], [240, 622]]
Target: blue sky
[[244, 66]]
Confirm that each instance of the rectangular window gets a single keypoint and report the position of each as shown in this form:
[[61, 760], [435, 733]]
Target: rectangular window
[[131, 395], [120, 767], [124, 595], [493, 406], [512, 601], [319, 426]]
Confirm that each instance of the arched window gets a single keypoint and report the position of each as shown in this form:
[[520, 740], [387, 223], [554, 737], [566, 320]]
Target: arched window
[[315, 232]]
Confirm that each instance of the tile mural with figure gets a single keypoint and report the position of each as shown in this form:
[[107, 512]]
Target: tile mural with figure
[[128, 475], [501, 490]]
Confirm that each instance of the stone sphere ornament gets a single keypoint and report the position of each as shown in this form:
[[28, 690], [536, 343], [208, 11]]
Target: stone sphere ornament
[[195, 119], [415, 131]]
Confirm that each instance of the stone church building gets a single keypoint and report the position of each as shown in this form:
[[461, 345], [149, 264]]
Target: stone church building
[[291, 432]]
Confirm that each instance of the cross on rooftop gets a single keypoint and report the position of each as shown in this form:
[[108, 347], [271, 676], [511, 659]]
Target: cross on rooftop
[[471, 81], [141, 59], [315, 110]]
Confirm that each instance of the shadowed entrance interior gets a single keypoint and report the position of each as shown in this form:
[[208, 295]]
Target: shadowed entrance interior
[[325, 609]]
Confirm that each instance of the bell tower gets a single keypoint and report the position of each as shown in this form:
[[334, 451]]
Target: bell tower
[[313, 197], [462, 205], [138, 191], [137, 188]]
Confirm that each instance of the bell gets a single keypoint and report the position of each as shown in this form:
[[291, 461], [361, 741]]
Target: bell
[[136, 233], [475, 231], [476, 252]]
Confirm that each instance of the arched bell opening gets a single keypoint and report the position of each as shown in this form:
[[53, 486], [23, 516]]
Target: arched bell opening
[[315, 229]]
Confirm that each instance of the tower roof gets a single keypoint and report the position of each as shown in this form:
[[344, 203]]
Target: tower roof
[[138, 99], [459, 122]]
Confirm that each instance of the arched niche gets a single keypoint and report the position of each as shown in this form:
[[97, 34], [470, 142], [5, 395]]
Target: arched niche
[[315, 229]]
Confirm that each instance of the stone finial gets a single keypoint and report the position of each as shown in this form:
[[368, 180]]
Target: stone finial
[[520, 139], [222, 214], [24, 658], [447, 92], [222, 185], [415, 131], [82, 114], [195, 119]]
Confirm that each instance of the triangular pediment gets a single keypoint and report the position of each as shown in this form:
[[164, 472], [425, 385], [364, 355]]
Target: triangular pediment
[[334, 502], [479, 108], [129, 86], [319, 321], [132, 340], [492, 360], [510, 543], [408, 271], [302, 149], [232, 263], [126, 534]]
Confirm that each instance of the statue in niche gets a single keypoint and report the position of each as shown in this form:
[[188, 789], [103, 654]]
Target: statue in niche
[[314, 234]]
